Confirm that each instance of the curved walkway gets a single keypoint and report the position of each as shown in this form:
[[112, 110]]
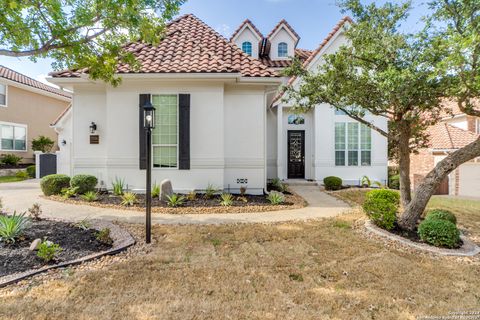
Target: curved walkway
[[20, 196]]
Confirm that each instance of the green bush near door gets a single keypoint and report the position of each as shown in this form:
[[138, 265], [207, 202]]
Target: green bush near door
[[84, 183], [54, 183]]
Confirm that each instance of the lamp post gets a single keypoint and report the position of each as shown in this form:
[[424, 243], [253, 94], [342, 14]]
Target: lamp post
[[148, 125]]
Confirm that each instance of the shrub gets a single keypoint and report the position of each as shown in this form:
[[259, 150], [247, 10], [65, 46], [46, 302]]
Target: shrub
[[35, 211], [438, 232], [175, 200], [441, 215], [69, 192], [118, 186], [394, 182], [22, 175], [155, 190], [226, 199], [332, 183], [42, 143], [47, 251], [128, 199], [278, 185], [276, 197], [366, 182], [90, 196], [84, 183], [54, 183], [191, 196], [210, 191], [103, 236], [31, 171], [13, 227], [10, 160], [84, 224], [381, 207], [243, 190]]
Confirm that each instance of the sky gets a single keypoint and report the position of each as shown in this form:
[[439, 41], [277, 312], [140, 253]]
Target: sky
[[311, 19]]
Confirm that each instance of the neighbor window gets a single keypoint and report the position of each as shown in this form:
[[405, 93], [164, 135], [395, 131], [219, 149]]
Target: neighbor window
[[3, 95], [165, 134], [353, 144], [282, 50], [247, 47], [13, 138]]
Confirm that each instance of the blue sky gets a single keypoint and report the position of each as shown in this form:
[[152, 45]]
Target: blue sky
[[312, 19]]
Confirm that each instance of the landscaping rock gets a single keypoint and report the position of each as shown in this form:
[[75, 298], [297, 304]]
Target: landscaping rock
[[165, 189], [35, 244]]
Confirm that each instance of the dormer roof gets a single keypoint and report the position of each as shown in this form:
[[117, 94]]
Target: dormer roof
[[247, 24], [283, 23]]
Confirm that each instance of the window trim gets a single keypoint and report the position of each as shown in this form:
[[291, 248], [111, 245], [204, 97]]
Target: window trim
[[251, 48], [168, 145], [278, 50], [359, 150], [13, 124], [6, 96]]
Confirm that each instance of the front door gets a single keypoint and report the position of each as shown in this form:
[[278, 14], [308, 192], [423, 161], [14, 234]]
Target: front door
[[296, 154]]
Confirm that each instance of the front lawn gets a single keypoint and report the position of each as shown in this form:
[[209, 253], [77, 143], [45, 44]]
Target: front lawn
[[324, 269], [11, 179]]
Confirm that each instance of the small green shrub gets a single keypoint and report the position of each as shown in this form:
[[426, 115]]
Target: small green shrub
[[84, 183], [83, 224], [47, 251], [128, 199], [210, 191], [276, 197], [10, 160], [54, 183], [118, 186], [13, 227], [278, 185], [155, 190], [332, 183], [42, 143], [22, 175], [67, 193], [175, 200], [442, 215], [226, 199], [381, 207], [31, 170], [440, 233], [103, 236], [394, 182], [366, 182], [35, 211], [90, 196], [191, 196]]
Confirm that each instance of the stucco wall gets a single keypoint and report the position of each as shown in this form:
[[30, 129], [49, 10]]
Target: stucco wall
[[248, 35], [281, 36]]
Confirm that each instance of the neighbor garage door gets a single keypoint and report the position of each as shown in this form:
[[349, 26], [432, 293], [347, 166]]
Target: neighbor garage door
[[470, 179]]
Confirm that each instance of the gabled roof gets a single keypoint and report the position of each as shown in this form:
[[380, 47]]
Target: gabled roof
[[284, 22], [189, 46], [61, 115], [15, 76], [249, 23], [302, 54], [445, 136]]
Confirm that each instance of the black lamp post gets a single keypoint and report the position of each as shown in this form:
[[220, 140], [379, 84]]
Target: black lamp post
[[148, 125]]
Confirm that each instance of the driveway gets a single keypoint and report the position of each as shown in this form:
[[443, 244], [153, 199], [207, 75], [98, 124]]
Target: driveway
[[20, 196]]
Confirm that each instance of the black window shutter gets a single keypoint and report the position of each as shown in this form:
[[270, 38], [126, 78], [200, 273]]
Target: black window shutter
[[184, 132], [142, 143]]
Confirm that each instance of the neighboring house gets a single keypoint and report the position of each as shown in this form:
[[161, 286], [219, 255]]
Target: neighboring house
[[27, 108], [216, 120], [454, 131]]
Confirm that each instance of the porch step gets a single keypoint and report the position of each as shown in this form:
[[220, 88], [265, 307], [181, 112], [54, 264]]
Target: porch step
[[300, 182]]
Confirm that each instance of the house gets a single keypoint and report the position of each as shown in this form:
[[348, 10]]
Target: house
[[454, 131], [27, 108], [216, 118]]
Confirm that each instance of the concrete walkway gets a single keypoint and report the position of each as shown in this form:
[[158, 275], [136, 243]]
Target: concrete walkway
[[20, 196]]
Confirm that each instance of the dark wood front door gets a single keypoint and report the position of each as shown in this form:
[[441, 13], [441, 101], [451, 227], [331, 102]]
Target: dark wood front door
[[296, 154]]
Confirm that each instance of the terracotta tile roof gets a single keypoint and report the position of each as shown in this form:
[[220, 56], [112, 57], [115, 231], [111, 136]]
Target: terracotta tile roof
[[312, 56], [189, 46], [15, 76], [446, 136], [250, 23], [302, 54], [287, 25], [451, 108]]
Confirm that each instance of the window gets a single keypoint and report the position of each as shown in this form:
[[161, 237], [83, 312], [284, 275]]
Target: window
[[296, 119], [247, 47], [3, 95], [282, 50], [13, 138], [353, 144], [165, 134]]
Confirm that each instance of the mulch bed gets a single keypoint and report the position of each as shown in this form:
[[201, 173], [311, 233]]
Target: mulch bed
[[18, 166], [254, 203], [413, 236], [75, 242]]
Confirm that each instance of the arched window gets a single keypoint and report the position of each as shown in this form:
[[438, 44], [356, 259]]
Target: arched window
[[282, 50], [247, 47]]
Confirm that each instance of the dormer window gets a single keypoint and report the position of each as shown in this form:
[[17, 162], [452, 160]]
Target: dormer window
[[247, 47], [282, 50]]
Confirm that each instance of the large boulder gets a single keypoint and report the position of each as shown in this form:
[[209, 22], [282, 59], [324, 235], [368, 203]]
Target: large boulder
[[165, 189]]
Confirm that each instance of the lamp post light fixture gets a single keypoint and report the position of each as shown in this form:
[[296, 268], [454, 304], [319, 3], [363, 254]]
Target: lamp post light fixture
[[148, 125]]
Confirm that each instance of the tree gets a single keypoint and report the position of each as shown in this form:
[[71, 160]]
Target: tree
[[82, 33], [455, 31], [382, 71], [43, 144]]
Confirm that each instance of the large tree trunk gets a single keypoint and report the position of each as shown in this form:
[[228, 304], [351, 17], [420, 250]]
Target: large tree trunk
[[404, 163], [427, 188]]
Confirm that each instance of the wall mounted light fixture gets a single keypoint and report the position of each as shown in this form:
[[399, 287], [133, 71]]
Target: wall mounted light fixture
[[93, 127], [64, 142]]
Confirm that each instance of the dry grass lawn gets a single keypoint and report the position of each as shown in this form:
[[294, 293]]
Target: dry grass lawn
[[324, 269]]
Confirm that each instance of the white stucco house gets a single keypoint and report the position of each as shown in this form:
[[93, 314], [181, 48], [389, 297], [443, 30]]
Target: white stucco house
[[220, 119]]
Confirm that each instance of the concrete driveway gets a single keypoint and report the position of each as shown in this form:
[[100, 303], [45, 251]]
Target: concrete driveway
[[20, 196]]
